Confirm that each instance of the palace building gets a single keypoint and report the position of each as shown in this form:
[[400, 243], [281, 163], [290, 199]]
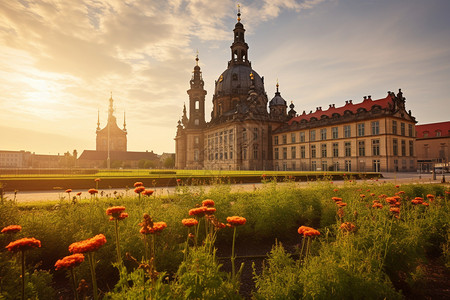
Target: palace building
[[249, 132]]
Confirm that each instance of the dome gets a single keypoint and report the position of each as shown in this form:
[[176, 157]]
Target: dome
[[236, 80], [277, 100]]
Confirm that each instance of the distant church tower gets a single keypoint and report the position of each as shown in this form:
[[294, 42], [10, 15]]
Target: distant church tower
[[117, 137]]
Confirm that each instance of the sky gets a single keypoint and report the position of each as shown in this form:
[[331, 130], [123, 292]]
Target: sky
[[60, 60]]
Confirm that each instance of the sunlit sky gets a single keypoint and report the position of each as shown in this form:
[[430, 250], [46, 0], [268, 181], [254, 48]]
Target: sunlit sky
[[60, 60]]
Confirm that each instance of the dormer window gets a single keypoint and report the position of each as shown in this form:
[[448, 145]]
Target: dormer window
[[438, 133]]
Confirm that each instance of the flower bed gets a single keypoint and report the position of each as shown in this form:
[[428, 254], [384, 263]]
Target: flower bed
[[373, 245]]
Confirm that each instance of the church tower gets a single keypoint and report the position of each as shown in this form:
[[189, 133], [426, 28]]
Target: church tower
[[111, 138], [196, 99]]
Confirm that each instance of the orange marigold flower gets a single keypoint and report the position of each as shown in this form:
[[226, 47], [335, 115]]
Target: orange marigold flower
[[311, 232], [425, 203], [189, 222], [157, 227], [70, 261], [139, 189], [210, 211], [341, 204], [417, 201], [382, 196], [397, 198], [178, 180], [93, 191], [115, 211], [12, 229], [97, 179], [372, 194], [208, 203], [148, 192], [390, 200], [397, 186], [136, 184], [122, 216], [401, 192], [89, 245], [79, 193], [336, 190], [377, 205], [362, 196], [394, 210], [69, 191], [430, 196], [336, 199], [236, 221], [23, 244], [198, 211], [348, 226], [447, 192]]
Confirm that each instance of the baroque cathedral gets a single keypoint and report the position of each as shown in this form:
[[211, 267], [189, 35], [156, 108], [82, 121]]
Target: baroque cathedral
[[249, 132]]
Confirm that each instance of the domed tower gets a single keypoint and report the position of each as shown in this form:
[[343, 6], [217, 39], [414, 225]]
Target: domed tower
[[277, 106], [233, 85]]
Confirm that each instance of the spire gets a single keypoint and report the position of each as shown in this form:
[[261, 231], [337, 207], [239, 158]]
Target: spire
[[111, 108], [239, 13], [277, 93], [98, 120], [196, 59], [124, 122]]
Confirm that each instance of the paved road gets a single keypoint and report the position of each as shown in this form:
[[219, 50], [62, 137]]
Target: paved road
[[58, 195]]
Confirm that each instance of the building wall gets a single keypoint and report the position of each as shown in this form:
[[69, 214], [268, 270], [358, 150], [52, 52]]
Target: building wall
[[364, 150], [15, 159]]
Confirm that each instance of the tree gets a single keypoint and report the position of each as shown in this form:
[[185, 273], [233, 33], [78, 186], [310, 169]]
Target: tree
[[169, 162]]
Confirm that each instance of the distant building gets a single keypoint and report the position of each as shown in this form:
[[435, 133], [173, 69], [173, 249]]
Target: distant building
[[111, 143], [15, 159], [248, 132], [432, 145]]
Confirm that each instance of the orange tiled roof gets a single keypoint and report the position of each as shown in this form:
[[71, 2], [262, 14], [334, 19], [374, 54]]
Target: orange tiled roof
[[432, 128], [367, 104]]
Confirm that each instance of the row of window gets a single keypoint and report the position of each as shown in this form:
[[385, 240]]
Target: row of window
[[347, 132], [336, 166]]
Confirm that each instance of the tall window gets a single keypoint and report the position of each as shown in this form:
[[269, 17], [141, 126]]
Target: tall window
[[324, 165], [323, 134], [275, 140], [375, 127], [302, 152], [313, 165], [255, 151], [284, 137], [324, 150], [410, 130], [395, 147], [376, 165], [403, 148], [335, 150], [255, 134], [293, 137], [312, 135], [302, 137], [375, 147], [348, 165], [276, 154], [348, 149], [293, 152], [361, 148], [334, 132], [196, 155], [244, 136], [313, 151], [284, 152], [347, 131], [402, 129], [394, 127], [360, 129], [411, 148]]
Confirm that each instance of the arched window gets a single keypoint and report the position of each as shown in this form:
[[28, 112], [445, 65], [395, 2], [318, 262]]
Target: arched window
[[197, 104]]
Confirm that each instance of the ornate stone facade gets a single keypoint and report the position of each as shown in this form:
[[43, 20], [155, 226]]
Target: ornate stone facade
[[245, 134], [111, 138]]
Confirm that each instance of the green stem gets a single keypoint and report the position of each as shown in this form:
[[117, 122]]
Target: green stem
[[153, 248], [145, 248], [233, 269], [94, 280], [307, 248], [303, 246], [119, 256], [196, 232], [23, 275], [74, 284], [186, 246]]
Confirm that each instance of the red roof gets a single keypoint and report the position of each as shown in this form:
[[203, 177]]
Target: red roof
[[432, 129], [367, 104]]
